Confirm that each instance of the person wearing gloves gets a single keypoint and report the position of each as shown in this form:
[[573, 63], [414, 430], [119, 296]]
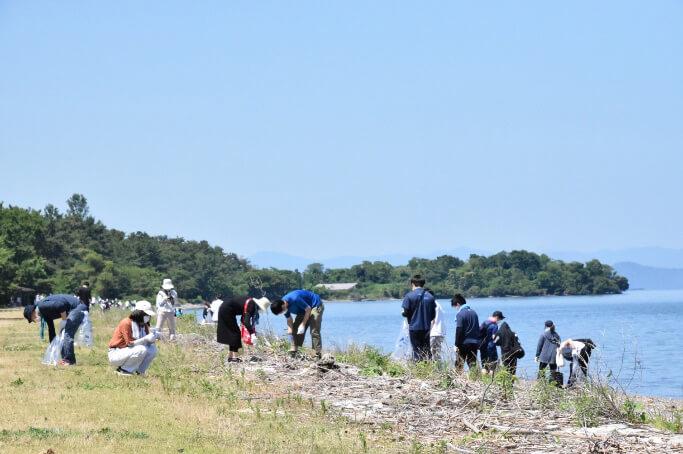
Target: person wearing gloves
[[438, 332], [546, 349], [228, 332], [131, 348], [308, 309], [65, 307], [166, 299]]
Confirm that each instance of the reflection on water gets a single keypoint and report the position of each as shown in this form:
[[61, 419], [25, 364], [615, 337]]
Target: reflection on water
[[637, 332]]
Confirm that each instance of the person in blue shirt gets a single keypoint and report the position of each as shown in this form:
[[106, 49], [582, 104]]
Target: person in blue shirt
[[307, 308], [466, 334], [487, 348], [419, 308], [71, 311]]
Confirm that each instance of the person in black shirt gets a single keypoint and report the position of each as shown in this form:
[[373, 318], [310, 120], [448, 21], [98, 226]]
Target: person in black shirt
[[228, 332], [84, 294]]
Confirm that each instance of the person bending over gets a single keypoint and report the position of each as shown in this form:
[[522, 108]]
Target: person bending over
[[228, 332], [65, 307], [308, 309]]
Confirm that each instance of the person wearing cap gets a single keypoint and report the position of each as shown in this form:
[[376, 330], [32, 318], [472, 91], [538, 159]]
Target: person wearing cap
[[65, 307], [131, 348], [228, 332], [546, 350], [466, 334], [308, 309], [487, 348], [166, 299]]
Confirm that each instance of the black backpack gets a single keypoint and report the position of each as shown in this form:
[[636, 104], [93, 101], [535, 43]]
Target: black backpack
[[517, 349]]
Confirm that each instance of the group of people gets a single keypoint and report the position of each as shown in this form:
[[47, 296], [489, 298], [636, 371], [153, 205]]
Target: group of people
[[132, 349], [425, 316], [132, 346]]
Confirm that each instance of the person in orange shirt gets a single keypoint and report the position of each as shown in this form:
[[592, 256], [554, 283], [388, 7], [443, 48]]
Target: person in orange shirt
[[132, 349]]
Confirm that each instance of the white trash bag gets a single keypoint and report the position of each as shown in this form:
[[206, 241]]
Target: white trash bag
[[84, 337], [54, 350], [403, 351]]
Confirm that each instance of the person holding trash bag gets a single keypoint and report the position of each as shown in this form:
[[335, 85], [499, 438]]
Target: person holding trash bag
[[438, 332], [53, 307], [307, 308], [419, 308], [546, 351], [131, 348], [466, 334], [227, 331], [166, 299]]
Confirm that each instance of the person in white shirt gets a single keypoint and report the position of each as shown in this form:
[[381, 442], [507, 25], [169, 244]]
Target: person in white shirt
[[438, 332], [580, 351], [215, 305], [166, 300]]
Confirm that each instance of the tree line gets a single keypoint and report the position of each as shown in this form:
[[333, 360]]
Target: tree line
[[54, 252]]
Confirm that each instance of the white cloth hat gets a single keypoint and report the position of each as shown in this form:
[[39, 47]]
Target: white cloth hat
[[262, 303], [145, 306], [167, 284]]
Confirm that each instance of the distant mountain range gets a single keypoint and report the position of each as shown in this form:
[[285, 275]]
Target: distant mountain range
[[645, 267]]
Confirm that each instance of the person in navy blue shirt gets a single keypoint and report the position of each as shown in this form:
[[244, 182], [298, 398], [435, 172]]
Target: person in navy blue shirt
[[467, 335], [307, 308], [419, 308], [71, 311], [487, 349]]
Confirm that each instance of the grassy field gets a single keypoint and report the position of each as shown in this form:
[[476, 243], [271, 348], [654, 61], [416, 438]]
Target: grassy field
[[188, 402]]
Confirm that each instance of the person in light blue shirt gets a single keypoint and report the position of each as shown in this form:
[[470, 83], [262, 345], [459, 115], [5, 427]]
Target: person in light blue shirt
[[307, 308]]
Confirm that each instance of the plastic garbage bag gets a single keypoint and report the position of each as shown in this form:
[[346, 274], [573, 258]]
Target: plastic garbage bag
[[403, 351], [85, 337], [54, 350]]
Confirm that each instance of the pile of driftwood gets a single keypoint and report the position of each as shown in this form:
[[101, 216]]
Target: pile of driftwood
[[470, 416]]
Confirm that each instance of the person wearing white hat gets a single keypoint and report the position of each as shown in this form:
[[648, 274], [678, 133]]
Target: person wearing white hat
[[229, 333], [131, 348], [166, 299]]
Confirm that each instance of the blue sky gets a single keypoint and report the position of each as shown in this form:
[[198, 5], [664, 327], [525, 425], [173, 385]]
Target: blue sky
[[364, 128]]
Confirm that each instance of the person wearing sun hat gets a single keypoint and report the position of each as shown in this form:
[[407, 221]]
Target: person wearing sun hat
[[166, 300], [69, 309], [131, 348], [228, 332]]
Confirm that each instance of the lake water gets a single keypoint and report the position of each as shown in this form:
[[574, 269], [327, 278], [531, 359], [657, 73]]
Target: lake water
[[637, 332]]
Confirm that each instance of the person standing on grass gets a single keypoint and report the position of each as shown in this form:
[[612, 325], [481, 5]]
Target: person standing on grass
[[308, 309], [166, 300], [84, 294], [438, 332], [466, 334], [510, 348], [131, 348], [215, 306], [419, 308], [488, 350], [65, 307], [546, 350], [228, 332]]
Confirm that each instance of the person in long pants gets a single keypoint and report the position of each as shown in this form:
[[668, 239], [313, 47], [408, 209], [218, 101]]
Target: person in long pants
[[308, 309], [547, 347], [166, 299], [132, 349], [53, 307]]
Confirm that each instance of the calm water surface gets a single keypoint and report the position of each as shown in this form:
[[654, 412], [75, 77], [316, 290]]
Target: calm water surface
[[637, 332]]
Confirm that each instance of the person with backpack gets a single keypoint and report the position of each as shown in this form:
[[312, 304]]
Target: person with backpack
[[419, 308], [510, 348], [487, 347], [228, 332], [466, 334]]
